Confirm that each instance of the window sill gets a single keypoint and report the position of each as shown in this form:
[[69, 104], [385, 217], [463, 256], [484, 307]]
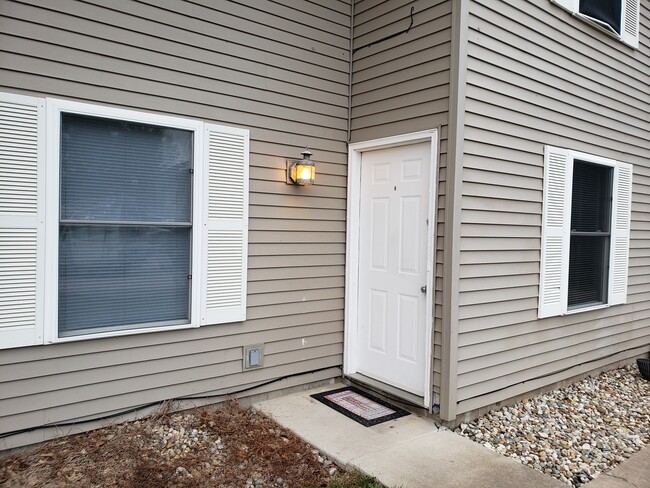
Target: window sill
[[587, 309], [605, 29], [120, 333]]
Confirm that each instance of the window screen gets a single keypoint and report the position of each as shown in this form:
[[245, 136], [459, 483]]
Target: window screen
[[125, 225], [590, 234]]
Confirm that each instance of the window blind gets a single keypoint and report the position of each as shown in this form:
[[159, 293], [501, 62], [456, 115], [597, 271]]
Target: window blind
[[591, 208], [125, 209], [587, 270], [122, 171]]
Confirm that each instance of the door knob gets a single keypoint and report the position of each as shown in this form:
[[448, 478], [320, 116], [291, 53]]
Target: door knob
[[423, 289]]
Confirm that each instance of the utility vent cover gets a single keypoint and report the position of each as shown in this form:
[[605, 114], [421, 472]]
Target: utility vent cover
[[253, 356]]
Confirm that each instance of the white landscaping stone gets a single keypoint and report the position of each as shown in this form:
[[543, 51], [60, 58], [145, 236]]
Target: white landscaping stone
[[573, 433]]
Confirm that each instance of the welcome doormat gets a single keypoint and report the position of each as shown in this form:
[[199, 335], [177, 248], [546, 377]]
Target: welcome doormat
[[359, 406]]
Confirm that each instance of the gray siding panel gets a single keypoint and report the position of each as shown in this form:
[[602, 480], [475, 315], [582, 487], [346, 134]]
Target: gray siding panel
[[221, 62], [401, 86], [537, 76]]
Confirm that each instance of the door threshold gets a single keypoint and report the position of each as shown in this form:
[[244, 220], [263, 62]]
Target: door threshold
[[387, 390]]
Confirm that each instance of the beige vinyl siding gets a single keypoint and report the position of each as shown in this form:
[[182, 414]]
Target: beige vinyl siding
[[537, 76], [279, 69], [402, 85]]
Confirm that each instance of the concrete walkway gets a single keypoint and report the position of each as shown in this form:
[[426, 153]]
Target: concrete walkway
[[633, 473], [411, 452]]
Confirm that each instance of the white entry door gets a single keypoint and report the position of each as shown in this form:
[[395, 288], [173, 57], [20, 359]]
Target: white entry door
[[393, 221]]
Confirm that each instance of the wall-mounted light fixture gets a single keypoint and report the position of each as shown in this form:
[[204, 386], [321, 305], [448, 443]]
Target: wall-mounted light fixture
[[301, 171]]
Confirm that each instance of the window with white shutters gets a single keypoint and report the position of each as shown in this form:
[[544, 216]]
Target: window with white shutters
[[617, 17], [119, 223], [585, 232]]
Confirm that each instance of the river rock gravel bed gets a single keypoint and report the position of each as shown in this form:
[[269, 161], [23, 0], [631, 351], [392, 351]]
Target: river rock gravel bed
[[574, 433]]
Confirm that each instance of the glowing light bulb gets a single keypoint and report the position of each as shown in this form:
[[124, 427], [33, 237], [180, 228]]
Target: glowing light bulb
[[305, 172]]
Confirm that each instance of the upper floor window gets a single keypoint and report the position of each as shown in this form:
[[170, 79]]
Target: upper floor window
[[618, 17]]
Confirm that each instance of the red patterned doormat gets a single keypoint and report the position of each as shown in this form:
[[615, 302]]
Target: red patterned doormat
[[359, 406]]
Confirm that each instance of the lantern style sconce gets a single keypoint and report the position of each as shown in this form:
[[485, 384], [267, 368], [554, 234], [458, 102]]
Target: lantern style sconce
[[301, 171]]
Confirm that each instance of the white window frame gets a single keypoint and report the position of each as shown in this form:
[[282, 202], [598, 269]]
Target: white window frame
[[556, 231], [630, 12], [54, 109]]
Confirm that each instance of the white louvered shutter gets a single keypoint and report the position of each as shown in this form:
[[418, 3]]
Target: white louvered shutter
[[630, 22], [225, 222], [21, 219], [556, 232], [620, 236]]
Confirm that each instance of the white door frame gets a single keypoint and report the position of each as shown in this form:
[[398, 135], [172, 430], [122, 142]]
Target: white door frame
[[352, 248]]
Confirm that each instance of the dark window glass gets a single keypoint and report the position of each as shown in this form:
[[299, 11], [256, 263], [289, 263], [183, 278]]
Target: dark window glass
[[590, 201], [116, 170], [590, 232], [607, 11], [586, 265], [125, 228]]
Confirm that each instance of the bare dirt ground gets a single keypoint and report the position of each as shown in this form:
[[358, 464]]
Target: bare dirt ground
[[227, 446]]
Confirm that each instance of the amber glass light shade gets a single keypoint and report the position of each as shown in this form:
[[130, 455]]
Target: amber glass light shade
[[302, 171]]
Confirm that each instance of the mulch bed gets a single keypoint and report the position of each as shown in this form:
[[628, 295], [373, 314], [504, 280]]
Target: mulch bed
[[226, 446]]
